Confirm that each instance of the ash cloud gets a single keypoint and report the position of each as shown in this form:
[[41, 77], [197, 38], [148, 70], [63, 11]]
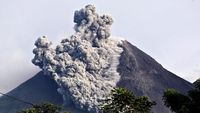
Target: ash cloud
[[84, 65]]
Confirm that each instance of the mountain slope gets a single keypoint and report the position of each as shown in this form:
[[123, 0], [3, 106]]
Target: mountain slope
[[38, 89], [144, 76], [139, 72]]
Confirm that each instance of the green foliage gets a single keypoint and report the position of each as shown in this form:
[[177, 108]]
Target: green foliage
[[197, 84], [122, 100], [143, 105], [180, 103], [43, 108], [176, 101]]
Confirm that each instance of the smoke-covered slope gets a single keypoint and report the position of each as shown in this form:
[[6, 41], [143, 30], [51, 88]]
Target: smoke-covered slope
[[84, 65]]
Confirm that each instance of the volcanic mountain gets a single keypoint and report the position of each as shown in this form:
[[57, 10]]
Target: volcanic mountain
[[81, 71]]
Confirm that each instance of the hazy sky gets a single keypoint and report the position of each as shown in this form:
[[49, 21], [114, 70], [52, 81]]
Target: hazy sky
[[167, 30]]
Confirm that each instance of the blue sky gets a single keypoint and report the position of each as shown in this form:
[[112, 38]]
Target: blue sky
[[167, 30]]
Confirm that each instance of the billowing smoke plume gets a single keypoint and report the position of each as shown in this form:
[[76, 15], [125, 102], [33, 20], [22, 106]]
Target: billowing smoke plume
[[84, 65]]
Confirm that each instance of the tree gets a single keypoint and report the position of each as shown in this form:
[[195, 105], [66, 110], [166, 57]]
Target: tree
[[43, 108], [197, 84], [122, 100], [195, 97], [176, 101], [181, 103]]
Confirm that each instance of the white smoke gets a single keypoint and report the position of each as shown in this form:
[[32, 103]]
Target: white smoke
[[85, 65]]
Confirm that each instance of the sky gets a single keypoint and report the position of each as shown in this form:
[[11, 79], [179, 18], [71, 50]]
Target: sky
[[167, 30]]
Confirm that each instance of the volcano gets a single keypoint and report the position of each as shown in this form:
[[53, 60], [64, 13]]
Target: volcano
[[148, 78], [83, 69]]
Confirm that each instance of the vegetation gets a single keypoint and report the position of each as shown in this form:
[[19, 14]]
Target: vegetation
[[197, 84], [181, 103], [122, 100], [43, 108]]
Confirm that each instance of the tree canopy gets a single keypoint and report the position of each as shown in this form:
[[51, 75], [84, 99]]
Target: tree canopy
[[181, 103], [122, 100], [43, 108]]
